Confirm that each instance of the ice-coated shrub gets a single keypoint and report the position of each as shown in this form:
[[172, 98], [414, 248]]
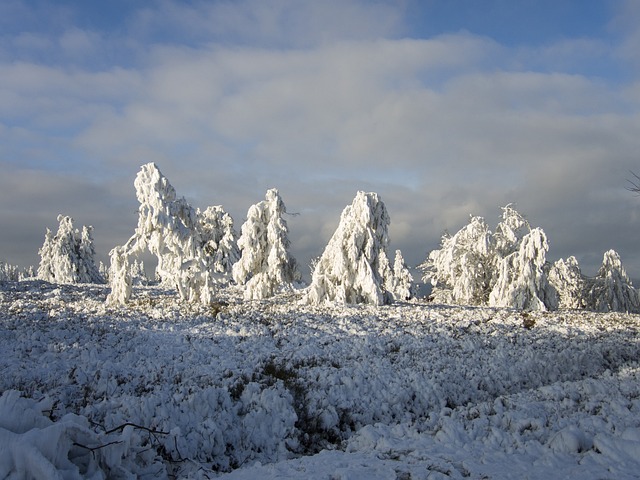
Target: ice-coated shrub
[[68, 256], [354, 265], [265, 266], [521, 280], [611, 289]]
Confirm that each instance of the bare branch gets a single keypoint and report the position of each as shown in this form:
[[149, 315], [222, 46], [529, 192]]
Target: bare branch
[[634, 184]]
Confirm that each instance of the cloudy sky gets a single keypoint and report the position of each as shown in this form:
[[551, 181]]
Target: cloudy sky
[[445, 108]]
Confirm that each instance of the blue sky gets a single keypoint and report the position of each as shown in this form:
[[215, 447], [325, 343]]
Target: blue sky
[[444, 108]]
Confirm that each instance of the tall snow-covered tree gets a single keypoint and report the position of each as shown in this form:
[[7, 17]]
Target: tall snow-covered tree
[[168, 227], [611, 289], [220, 239], [461, 270], [68, 256], [565, 276], [354, 264], [265, 266], [521, 280]]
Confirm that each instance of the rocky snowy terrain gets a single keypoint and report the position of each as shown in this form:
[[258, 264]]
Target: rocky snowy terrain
[[280, 389]]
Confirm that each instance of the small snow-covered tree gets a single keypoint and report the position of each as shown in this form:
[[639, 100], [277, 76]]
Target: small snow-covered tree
[[461, 270], [611, 289], [168, 227], [220, 239], [565, 276], [68, 256], [521, 281], [265, 265], [401, 281], [138, 275], [8, 273], [354, 264]]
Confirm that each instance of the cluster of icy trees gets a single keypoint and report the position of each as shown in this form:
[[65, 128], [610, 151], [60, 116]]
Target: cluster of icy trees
[[13, 273], [508, 268], [199, 251], [68, 256]]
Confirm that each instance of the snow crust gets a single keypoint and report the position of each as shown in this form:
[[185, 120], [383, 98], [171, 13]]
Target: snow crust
[[279, 389]]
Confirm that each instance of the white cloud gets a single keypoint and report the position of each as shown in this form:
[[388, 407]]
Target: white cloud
[[441, 128]]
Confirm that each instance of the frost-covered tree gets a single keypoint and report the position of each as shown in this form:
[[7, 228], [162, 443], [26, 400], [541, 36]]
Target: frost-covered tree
[[265, 266], [509, 232], [565, 276], [401, 281], [611, 289], [461, 270], [354, 264], [8, 273], [138, 274], [168, 227], [68, 256], [220, 239], [521, 280]]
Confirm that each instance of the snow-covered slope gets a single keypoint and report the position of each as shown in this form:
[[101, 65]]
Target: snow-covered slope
[[277, 389]]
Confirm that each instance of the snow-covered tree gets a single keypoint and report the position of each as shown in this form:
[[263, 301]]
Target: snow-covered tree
[[461, 270], [400, 284], [168, 227], [8, 273], [509, 232], [265, 265], [220, 239], [521, 281], [354, 264], [68, 256], [565, 276], [138, 275], [611, 289]]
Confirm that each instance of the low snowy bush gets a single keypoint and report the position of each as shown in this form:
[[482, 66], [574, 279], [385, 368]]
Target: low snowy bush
[[354, 267], [32, 446], [68, 256], [266, 266]]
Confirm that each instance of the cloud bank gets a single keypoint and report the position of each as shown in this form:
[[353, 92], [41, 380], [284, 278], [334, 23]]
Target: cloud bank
[[318, 99]]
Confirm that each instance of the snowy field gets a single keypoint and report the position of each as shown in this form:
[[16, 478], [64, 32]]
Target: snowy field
[[276, 389]]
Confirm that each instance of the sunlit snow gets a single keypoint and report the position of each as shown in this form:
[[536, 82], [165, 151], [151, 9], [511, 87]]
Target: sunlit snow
[[276, 389]]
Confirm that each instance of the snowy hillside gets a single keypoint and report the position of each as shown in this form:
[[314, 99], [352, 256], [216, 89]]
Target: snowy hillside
[[279, 389]]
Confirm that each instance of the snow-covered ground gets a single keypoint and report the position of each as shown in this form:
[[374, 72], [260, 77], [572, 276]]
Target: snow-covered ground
[[278, 389]]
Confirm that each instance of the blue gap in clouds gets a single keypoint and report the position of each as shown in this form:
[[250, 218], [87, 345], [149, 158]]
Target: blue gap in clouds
[[512, 23]]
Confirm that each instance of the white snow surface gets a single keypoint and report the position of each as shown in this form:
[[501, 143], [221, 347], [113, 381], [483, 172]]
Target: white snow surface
[[276, 389]]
